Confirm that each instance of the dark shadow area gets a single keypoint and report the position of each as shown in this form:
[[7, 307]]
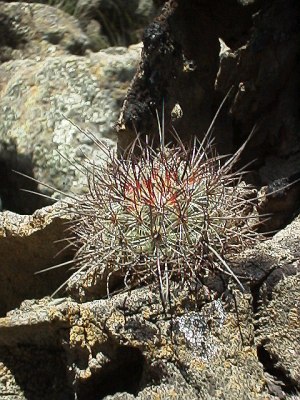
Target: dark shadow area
[[39, 373], [11, 184], [9, 38], [281, 202], [280, 375], [122, 374], [181, 56]]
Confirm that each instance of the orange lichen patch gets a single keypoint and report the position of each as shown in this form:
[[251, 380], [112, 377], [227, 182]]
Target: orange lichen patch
[[84, 332]]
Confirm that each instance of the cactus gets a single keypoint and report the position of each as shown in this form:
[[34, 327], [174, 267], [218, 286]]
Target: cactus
[[171, 214]]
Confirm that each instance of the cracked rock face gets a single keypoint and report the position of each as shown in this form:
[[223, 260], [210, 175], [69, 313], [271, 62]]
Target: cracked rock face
[[244, 344], [249, 46], [281, 314]]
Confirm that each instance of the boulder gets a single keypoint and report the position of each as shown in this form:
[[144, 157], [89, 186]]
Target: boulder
[[44, 105]]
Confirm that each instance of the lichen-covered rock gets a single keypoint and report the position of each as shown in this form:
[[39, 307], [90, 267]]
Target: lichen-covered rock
[[242, 344], [207, 348], [129, 338], [38, 31], [41, 101], [280, 201], [175, 391], [8, 385]]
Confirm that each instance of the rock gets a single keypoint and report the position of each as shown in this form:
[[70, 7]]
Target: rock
[[279, 202], [93, 30], [183, 64], [136, 347], [263, 267], [30, 241], [104, 23], [175, 58], [281, 314], [38, 31], [40, 104], [266, 68], [36, 370], [242, 344], [229, 344]]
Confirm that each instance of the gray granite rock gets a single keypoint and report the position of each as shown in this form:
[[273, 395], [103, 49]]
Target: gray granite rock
[[44, 103]]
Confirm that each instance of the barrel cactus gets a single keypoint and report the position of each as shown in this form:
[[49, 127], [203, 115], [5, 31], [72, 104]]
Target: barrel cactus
[[171, 214]]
